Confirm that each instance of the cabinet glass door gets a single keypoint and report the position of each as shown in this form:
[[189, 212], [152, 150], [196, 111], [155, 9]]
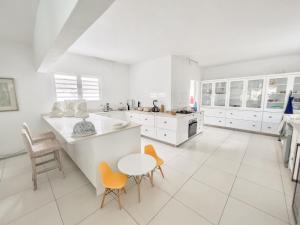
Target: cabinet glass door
[[296, 93], [220, 93], [236, 93], [206, 94], [254, 93], [276, 93]]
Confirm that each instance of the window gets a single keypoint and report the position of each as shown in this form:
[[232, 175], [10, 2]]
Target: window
[[70, 87]]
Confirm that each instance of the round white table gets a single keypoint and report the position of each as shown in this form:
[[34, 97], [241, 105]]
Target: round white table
[[138, 165]]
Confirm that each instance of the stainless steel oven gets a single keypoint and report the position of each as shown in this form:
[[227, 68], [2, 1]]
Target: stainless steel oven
[[192, 127]]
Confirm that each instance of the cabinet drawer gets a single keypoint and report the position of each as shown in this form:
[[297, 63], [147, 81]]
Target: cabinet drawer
[[134, 117], [270, 128], [148, 131], [244, 115], [243, 124], [165, 122], [272, 117], [147, 120], [215, 112], [210, 120], [166, 135]]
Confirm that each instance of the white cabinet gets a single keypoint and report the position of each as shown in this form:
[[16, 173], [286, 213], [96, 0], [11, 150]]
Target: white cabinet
[[206, 94], [146, 119], [148, 131], [244, 115], [254, 93], [270, 117], [296, 92], [165, 135], [236, 93], [214, 112], [220, 90], [270, 128], [243, 124], [216, 121], [276, 93]]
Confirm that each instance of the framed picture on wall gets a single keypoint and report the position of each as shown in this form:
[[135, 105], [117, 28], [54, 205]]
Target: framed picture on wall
[[8, 97]]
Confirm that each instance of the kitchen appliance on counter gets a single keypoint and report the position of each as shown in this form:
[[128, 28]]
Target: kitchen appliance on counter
[[155, 107], [130, 104], [192, 127]]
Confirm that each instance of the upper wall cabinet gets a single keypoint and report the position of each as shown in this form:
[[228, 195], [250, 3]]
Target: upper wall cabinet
[[276, 93], [206, 94], [254, 94], [236, 93], [220, 93], [296, 92]]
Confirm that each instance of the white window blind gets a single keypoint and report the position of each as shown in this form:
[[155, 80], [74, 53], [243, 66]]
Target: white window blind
[[90, 88], [66, 87], [70, 87]]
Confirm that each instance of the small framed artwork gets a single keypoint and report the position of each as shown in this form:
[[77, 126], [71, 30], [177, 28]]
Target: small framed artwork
[[8, 97]]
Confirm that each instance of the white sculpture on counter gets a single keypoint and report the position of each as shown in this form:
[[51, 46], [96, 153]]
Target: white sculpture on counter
[[83, 128], [57, 110], [69, 108]]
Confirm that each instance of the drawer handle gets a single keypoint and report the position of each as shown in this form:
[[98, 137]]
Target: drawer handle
[[230, 122], [165, 135], [130, 116], [146, 129], [253, 125], [165, 122], [146, 118], [269, 127], [270, 117], [220, 121], [231, 113], [255, 115]]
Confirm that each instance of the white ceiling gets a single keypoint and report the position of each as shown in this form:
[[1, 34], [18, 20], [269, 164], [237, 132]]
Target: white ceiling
[[210, 31], [17, 19]]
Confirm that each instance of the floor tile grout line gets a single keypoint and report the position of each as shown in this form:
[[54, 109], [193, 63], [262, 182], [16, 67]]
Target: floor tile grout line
[[55, 199], [229, 194]]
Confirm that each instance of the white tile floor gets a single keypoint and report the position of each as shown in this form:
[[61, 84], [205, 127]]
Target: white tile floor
[[219, 177]]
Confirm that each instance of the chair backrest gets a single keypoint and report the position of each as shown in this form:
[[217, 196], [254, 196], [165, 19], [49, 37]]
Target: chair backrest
[[149, 150], [26, 128], [105, 171], [27, 141]]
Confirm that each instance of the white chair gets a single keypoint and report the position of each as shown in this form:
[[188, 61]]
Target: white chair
[[40, 149]]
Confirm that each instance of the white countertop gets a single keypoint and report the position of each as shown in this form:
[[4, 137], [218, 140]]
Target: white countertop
[[104, 125]]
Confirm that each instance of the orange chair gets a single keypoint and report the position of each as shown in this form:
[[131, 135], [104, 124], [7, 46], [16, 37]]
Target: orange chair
[[112, 181], [149, 150]]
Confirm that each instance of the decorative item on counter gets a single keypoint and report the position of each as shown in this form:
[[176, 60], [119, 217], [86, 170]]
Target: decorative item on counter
[[139, 104], [83, 128], [155, 107], [57, 110], [147, 109], [69, 108], [173, 113], [162, 108], [8, 97], [140, 108], [195, 107]]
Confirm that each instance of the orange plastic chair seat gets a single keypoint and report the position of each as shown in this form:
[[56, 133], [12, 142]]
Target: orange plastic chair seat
[[159, 161], [115, 181]]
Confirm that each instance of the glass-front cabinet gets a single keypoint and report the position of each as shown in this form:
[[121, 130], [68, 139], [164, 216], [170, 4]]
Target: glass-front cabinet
[[296, 93], [276, 93], [220, 93], [236, 93], [254, 94], [206, 94]]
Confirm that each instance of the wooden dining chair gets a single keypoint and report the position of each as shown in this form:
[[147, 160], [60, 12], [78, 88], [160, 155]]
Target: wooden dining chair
[[40, 137], [38, 151]]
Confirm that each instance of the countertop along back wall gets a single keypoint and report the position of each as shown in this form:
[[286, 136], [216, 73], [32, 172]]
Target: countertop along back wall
[[271, 65]]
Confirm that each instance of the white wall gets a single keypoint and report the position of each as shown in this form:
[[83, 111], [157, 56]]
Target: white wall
[[114, 77], [151, 80], [183, 71], [35, 94], [280, 64]]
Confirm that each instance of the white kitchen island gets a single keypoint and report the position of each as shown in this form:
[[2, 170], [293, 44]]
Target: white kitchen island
[[108, 144]]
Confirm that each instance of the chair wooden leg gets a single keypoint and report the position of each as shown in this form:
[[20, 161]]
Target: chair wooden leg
[[119, 201], [161, 172], [124, 190], [150, 177], [104, 194], [59, 153], [34, 174]]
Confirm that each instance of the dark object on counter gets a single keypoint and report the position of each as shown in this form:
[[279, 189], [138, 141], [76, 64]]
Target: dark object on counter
[[128, 106], [155, 107], [184, 112], [139, 104]]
